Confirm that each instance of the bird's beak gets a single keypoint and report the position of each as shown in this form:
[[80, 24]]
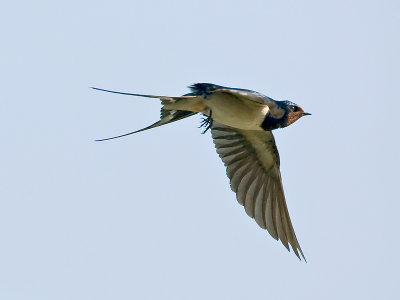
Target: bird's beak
[[303, 113]]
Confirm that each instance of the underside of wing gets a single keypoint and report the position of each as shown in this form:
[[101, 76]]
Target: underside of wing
[[252, 165]]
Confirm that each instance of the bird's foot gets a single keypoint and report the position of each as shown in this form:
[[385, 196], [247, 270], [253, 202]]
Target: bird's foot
[[206, 122]]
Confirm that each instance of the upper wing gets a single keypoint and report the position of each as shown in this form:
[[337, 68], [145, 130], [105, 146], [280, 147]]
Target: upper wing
[[205, 89], [252, 165]]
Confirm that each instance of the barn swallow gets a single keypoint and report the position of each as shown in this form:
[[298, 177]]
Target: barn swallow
[[241, 123]]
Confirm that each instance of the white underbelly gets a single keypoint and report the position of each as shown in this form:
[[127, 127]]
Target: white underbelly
[[232, 111]]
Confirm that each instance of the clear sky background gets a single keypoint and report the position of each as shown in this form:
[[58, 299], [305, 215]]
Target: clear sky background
[[152, 216]]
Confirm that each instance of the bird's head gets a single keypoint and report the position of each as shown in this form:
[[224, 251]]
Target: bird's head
[[293, 112], [282, 114]]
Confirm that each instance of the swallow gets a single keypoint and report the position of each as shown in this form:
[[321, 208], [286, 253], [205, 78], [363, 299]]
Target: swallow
[[241, 123]]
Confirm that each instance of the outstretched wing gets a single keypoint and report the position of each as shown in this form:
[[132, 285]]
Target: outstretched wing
[[252, 165]]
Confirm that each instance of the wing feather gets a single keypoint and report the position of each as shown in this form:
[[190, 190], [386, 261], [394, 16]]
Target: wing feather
[[252, 164], [259, 215], [279, 225], [242, 175], [268, 210], [206, 89], [251, 193]]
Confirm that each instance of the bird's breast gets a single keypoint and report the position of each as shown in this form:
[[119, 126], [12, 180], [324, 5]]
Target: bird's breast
[[235, 112]]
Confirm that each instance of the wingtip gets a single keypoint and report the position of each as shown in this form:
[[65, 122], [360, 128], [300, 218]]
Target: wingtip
[[297, 250], [301, 252]]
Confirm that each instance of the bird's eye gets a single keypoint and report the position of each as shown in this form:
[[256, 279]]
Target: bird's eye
[[293, 108]]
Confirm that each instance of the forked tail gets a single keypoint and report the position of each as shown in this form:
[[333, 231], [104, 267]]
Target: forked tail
[[167, 116]]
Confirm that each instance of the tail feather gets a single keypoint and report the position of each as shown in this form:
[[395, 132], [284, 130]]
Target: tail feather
[[164, 98], [167, 116]]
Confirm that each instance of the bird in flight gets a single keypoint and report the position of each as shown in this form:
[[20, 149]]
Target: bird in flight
[[241, 123]]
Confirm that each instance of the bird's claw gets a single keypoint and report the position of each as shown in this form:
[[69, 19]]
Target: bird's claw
[[206, 122]]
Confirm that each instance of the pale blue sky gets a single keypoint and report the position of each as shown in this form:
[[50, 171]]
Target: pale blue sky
[[152, 216]]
